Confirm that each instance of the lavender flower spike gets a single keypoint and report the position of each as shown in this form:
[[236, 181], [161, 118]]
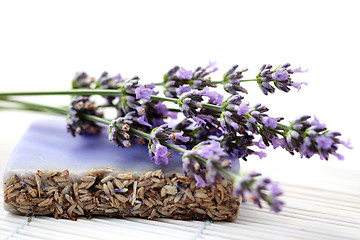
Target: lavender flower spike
[[205, 171], [158, 152], [232, 81], [119, 129], [249, 188], [280, 76], [311, 138], [75, 124]]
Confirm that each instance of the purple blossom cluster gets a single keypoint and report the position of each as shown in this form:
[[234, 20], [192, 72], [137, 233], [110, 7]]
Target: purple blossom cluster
[[233, 119], [280, 76], [312, 137], [257, 119], [75, 124], [82, 80], [203, 161], [190, 104], [109, 82], [249, 188], [232, 80], [178, 80], [119, 130], [157, 151]]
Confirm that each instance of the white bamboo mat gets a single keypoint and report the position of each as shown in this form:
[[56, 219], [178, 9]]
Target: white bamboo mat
[[313, 211]]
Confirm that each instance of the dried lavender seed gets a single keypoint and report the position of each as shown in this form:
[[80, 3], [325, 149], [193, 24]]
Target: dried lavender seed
[[151, 195]]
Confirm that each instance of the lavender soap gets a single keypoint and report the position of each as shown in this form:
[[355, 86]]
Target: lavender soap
[[52, 173]]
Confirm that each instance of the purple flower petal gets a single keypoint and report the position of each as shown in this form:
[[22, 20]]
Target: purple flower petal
[[324, 142], [274, 189], [297, 85], [183, 89], [161, 108], [215, 98], [199, 181], [298, 70], [243, 109], [142, 92], [179, 136], [143, 121], [260, 144], [276, 142], [260, 154], [316, 123], [280, 75], [161, 154], [185, 74], [172, 115], [346, 144], [269, 122]]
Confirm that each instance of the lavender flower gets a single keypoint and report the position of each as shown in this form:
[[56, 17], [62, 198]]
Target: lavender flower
[[158, 152], [132, 92], [233, 119], [311, 137], [75, 124], [238, 146], [256, 190], [190, 105], [143, 93], [156, 112], [185, 74], [257, 117], [200, 76], [204, 160], [280, 76], [232, 81], [82, 80], [179, 80], [119, 129], [107, 82]]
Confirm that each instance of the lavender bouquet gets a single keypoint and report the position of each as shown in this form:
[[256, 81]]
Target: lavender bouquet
[[192, 118]]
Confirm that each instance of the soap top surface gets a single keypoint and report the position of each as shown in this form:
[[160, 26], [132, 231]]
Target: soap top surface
[[47, 146]]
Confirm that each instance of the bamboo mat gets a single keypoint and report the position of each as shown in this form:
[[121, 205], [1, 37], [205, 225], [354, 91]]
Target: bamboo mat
[[316, 211]]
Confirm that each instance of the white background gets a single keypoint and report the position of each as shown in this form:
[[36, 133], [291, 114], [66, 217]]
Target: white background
[[43, 43]]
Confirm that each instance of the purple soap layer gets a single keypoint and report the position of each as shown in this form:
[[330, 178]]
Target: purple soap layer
[[46, 146]]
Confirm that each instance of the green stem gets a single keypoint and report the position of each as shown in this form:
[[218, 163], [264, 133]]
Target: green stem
[[174, 100], [211, 106], [37, 106], [67, 92], [248, 80]]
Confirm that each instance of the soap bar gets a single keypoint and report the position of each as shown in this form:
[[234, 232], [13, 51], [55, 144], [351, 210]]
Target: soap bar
[[52, 173]]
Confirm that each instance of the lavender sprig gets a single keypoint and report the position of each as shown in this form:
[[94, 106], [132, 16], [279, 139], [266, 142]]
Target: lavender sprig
[[205, 171], [119, 130], [190, 104], [82, 80], [232, 79], [311, 137], [75, 124], [179, 80], [107, 82], [256, 190], [157, 151], [280, 76]]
